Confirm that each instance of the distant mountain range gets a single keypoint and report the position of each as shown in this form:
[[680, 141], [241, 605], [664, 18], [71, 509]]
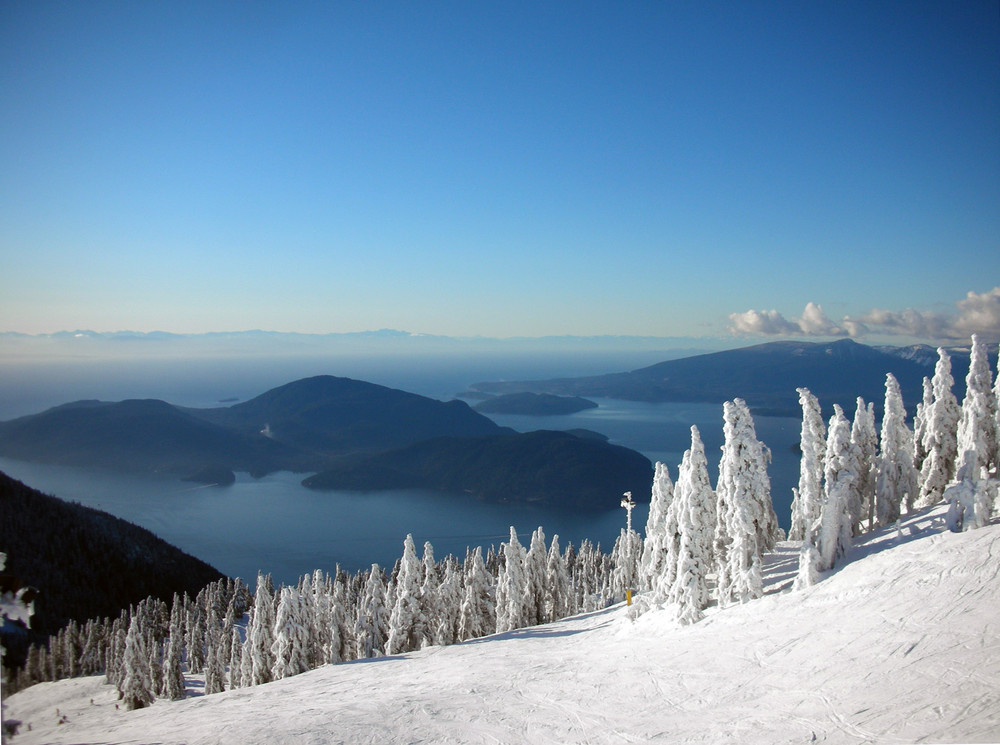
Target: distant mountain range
[[365, 436], [765, 376]]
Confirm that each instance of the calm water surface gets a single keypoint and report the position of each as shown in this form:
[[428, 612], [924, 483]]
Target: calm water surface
[[276, 525]]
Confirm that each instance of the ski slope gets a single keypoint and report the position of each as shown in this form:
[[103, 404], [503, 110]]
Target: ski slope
[[900, 645]]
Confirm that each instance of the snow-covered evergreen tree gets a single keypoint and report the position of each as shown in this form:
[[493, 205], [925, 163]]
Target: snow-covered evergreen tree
[[478, 616], [173, 678], [535, 579], [405, 621], [260, 632], [864, 438], [833, 539], [977, 429], [511, 585], [896, 484], [746, 525], [291, 636], [921, 420], [655, 549], [135, 687], [696, 519], [940, 435], [372, 629], [626, 556], [807, 499], [235, 657], [449, 605], [557, 585]]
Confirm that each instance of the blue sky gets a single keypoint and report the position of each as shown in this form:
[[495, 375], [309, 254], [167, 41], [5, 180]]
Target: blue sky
[[502, 169]]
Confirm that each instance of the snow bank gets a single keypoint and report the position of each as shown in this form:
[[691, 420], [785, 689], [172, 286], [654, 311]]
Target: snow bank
[[899, 645]]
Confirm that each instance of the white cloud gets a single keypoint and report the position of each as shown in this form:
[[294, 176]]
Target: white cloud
[[978, 313]]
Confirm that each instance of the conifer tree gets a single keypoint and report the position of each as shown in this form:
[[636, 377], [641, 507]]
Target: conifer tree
[[372, 629], [940, 435], [429, 598], [696, 517], [478, 615], [807, 499], [833, 539], [921, 420], [235, 658], [746, 525], [135, 687], [535, 575], [291, 636], [449, 605], [654, 550], [406, 610], [897, 478], [173, 677], [977, 429], [260, 632], [511, 585], [864, 438], [557, 584]]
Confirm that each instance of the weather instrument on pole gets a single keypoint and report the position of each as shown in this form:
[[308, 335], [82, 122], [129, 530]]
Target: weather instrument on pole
[[628, 503]]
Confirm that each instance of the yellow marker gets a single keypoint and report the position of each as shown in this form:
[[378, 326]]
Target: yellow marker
[[628, 597]]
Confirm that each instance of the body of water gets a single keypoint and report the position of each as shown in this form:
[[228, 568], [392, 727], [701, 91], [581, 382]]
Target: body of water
[[276, 525]]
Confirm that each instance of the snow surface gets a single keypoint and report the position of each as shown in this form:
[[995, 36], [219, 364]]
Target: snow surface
[[900, 645]]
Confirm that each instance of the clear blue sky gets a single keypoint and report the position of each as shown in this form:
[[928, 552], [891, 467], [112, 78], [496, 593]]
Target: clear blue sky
[[493, 168]]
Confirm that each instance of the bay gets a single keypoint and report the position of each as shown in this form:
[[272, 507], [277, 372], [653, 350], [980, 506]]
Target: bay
[[276, 525]]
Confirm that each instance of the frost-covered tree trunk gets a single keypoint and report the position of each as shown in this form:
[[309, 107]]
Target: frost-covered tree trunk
[[864, 438], [977, 430], [746, 525], [806, 503], [833, 540], [940, 435], [696, 522], [135, 688], [654, 552], [405, 616], [897, 478]]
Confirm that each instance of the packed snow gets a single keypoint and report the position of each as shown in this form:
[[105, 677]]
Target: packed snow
[[899, 643]]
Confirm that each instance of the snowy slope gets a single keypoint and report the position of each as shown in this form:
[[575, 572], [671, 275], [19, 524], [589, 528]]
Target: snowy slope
[[900, 645]]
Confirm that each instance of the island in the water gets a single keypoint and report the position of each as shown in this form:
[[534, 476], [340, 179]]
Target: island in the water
[[527, 403]]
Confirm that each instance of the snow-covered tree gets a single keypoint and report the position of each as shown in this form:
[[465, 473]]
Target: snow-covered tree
[[477, 616], [626, 556], [557, 586], [864, 438], [445, 629], [291, 636], [235, 657], [746, 525], [535, 580], [405, 616], [173, 678], [654, 551], [511, 585], [260, 632], [834, 530], [372, 629], [135, 687], [696, 519], [897, 478], [807, 499], [940, 435], [920, 423], [977, 429]]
